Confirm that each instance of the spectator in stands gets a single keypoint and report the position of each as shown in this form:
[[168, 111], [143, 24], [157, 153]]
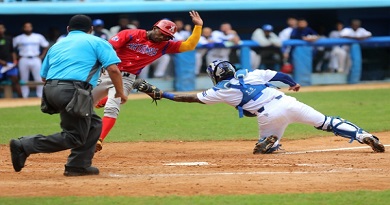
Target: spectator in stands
[[286, 32], [339, 57], [285, 35], [205, 39], [188, 27], [269, 51], [355, 31], [99, 30], [8, 61], [304, 32], [181, 34], [135, 23], [123, 23], [32, 48], [225, 36]]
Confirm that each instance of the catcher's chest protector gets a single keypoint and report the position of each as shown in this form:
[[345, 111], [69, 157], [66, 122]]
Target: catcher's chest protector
[[250, 92]]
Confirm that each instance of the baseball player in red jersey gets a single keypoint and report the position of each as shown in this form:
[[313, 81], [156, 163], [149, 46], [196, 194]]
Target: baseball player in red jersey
[[137, 48]]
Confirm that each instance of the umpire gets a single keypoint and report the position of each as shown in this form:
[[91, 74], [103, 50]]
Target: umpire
[[74, 62]]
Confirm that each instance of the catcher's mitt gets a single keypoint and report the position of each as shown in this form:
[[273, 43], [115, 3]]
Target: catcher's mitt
[[154, 92]]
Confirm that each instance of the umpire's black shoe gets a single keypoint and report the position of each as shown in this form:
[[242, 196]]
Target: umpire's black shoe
[[18, 155], [79, 171]]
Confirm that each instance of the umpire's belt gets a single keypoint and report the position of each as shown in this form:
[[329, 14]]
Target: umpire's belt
[[262, 108], [82, 84]]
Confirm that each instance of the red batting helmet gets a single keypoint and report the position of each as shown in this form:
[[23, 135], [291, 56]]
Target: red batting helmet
[[167, 27]]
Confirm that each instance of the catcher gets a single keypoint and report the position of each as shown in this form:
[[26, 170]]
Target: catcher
[[252, 95]]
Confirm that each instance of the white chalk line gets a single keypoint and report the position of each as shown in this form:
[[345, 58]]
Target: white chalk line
[[337, 170], [328, 150], [187, 164], [201, 174]]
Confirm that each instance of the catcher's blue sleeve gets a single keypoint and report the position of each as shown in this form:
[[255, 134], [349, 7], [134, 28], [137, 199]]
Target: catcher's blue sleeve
[[284, 79]]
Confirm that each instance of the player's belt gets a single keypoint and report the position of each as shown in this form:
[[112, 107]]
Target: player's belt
[[262, 108], [30, 56], [126, 74]]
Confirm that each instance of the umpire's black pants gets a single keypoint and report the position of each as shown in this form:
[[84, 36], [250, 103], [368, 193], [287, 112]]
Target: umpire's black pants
[[79, 134]]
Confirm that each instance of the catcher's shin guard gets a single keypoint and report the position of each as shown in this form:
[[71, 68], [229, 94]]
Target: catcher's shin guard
[[344, 128]]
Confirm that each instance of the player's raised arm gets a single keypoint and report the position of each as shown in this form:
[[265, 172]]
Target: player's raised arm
[[192, 41], [196, 18]]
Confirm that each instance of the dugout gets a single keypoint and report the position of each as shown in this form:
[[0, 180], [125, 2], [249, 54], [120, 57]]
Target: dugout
[[245, 16]]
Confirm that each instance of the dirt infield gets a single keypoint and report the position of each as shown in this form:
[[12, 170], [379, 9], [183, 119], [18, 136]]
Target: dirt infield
[[323, 164], [205, 168]]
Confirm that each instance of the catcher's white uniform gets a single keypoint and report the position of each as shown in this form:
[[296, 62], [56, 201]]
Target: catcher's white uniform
[[275, 110]]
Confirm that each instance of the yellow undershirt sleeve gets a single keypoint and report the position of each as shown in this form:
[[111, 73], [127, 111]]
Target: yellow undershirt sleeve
[[192, 41]]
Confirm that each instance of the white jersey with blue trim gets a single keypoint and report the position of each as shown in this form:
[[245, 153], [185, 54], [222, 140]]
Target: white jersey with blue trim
[[29, 45], [233, 96]]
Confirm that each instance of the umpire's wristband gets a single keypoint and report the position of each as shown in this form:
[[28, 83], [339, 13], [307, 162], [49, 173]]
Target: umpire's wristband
[[168, 95]]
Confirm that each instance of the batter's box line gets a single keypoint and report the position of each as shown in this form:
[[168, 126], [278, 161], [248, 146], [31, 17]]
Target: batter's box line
[[328, 150]]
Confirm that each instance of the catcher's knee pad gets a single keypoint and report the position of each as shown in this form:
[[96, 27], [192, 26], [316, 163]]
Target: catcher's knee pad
[[340, 127]]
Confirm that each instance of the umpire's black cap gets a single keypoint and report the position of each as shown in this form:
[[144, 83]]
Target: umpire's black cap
[[80, 22]]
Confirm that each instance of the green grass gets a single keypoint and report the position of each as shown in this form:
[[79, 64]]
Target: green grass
[[140, 120], [340, 198]]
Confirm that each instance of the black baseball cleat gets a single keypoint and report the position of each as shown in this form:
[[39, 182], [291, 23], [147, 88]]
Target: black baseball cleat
[[374, 143], [79, 171], [18, 155], [264, 146]]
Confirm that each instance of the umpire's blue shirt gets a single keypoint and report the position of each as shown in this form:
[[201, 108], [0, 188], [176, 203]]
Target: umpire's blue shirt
[[73, 57]]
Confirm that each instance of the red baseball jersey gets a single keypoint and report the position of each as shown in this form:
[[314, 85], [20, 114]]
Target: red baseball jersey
[[136, 51]]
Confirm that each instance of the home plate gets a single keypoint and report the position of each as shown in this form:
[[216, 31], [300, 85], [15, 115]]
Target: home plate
[[187, 164]]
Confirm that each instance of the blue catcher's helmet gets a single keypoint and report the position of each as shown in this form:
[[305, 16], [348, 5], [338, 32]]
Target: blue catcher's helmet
[[220, 70]]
